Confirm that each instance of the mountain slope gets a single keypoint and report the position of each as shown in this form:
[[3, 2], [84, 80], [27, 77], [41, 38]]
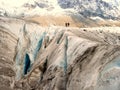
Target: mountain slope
[[88, 8]]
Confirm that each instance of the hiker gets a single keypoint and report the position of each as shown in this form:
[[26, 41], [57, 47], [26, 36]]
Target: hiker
[[67, 24]]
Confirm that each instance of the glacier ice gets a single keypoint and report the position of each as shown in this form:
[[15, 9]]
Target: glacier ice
[[26, 63]]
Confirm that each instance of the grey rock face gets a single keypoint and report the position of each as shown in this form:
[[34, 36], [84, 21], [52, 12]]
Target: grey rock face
[[93, 8], [60, 58]]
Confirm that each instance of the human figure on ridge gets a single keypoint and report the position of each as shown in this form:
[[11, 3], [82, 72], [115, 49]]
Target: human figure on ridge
[[67, 24]]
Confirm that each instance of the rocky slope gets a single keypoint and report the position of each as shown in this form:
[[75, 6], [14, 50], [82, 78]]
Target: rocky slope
[[58, 58], [79, 13], [107, 9]]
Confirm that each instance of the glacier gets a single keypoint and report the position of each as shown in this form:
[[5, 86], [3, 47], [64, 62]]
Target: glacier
[[58, 57], [39, 52]]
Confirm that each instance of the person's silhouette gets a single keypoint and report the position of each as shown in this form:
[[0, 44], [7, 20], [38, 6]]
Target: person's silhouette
[[68, 24]]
